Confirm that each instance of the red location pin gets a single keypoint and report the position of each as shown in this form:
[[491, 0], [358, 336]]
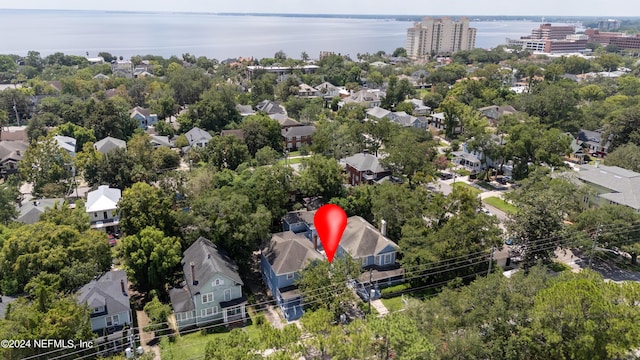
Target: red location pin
[[330, 221]]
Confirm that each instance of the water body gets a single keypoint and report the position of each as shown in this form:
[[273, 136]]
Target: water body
[[215, 36]]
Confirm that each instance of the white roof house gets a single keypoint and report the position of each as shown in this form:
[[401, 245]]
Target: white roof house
[[103, 199], [67, 143]]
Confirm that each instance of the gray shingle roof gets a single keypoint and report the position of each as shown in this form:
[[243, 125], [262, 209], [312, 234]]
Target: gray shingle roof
[[109, 143], [361, 239], [208, 260], [288, 252], [144, 112], [181, 300], [107, 291], [30, 213], [624, 184], [284, 120], [196, 134], [378, 112], [13, 150], [270, 107], [364, 162], [306, 130]]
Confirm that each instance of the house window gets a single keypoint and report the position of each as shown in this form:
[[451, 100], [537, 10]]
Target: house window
[[99, 309], [387, 259], [206, 298], [183, 316], [290, 276], [234, 311], [227, 295], [209, 311], [218, 282], [105, 215], [95, 214], [365, 261], [113, 320]]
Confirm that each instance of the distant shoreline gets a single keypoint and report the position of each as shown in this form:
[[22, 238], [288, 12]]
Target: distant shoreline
[[396, 17]]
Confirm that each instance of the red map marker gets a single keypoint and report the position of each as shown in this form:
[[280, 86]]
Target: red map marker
[[330, 221]]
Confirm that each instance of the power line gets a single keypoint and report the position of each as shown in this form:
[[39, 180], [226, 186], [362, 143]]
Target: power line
[[314, 296]]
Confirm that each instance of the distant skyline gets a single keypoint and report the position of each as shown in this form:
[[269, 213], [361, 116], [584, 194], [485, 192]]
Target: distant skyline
[[598, 8]]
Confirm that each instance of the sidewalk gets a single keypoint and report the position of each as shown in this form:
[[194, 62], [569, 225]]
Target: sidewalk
[[147, 337], [380, 308]]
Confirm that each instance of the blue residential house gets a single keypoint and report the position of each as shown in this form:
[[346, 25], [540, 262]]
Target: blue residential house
[[143, 117], [291, 251], [108, 298], [281, 261], [212, 288]]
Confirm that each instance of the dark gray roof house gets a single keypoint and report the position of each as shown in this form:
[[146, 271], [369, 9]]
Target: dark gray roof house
[[305, 130], [270, 107], [360, 239], [594, 141], [212, 290], [11, 152], [288, 252], [30, 211], [108, 297]]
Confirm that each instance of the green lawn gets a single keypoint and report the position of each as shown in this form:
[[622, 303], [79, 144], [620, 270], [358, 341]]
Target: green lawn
[[192, 346], [393, 304], [500, 204], [463, 172], [294, 153], [461, 185], [291, 161]]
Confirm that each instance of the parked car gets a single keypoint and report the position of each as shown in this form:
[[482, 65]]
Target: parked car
[[445, 176], [486, 211], [112, 240]]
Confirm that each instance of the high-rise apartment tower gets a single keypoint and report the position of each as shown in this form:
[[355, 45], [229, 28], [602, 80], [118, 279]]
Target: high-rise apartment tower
[[439, 36]]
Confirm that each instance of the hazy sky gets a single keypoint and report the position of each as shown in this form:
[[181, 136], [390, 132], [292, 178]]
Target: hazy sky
[[601, 8]]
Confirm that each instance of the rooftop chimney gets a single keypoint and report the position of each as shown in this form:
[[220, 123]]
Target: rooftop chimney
[[124, 291], [383, 227], [193, 274], [315, 242]]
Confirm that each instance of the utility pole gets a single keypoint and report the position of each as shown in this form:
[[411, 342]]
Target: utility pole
[[490, 260], [370, 287], [595, 240], [15, 109]]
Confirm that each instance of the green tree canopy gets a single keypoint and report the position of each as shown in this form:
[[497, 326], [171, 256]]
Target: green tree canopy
[[320, 176], [150, 257], [143, 205], [260, 131], [29, 250]]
